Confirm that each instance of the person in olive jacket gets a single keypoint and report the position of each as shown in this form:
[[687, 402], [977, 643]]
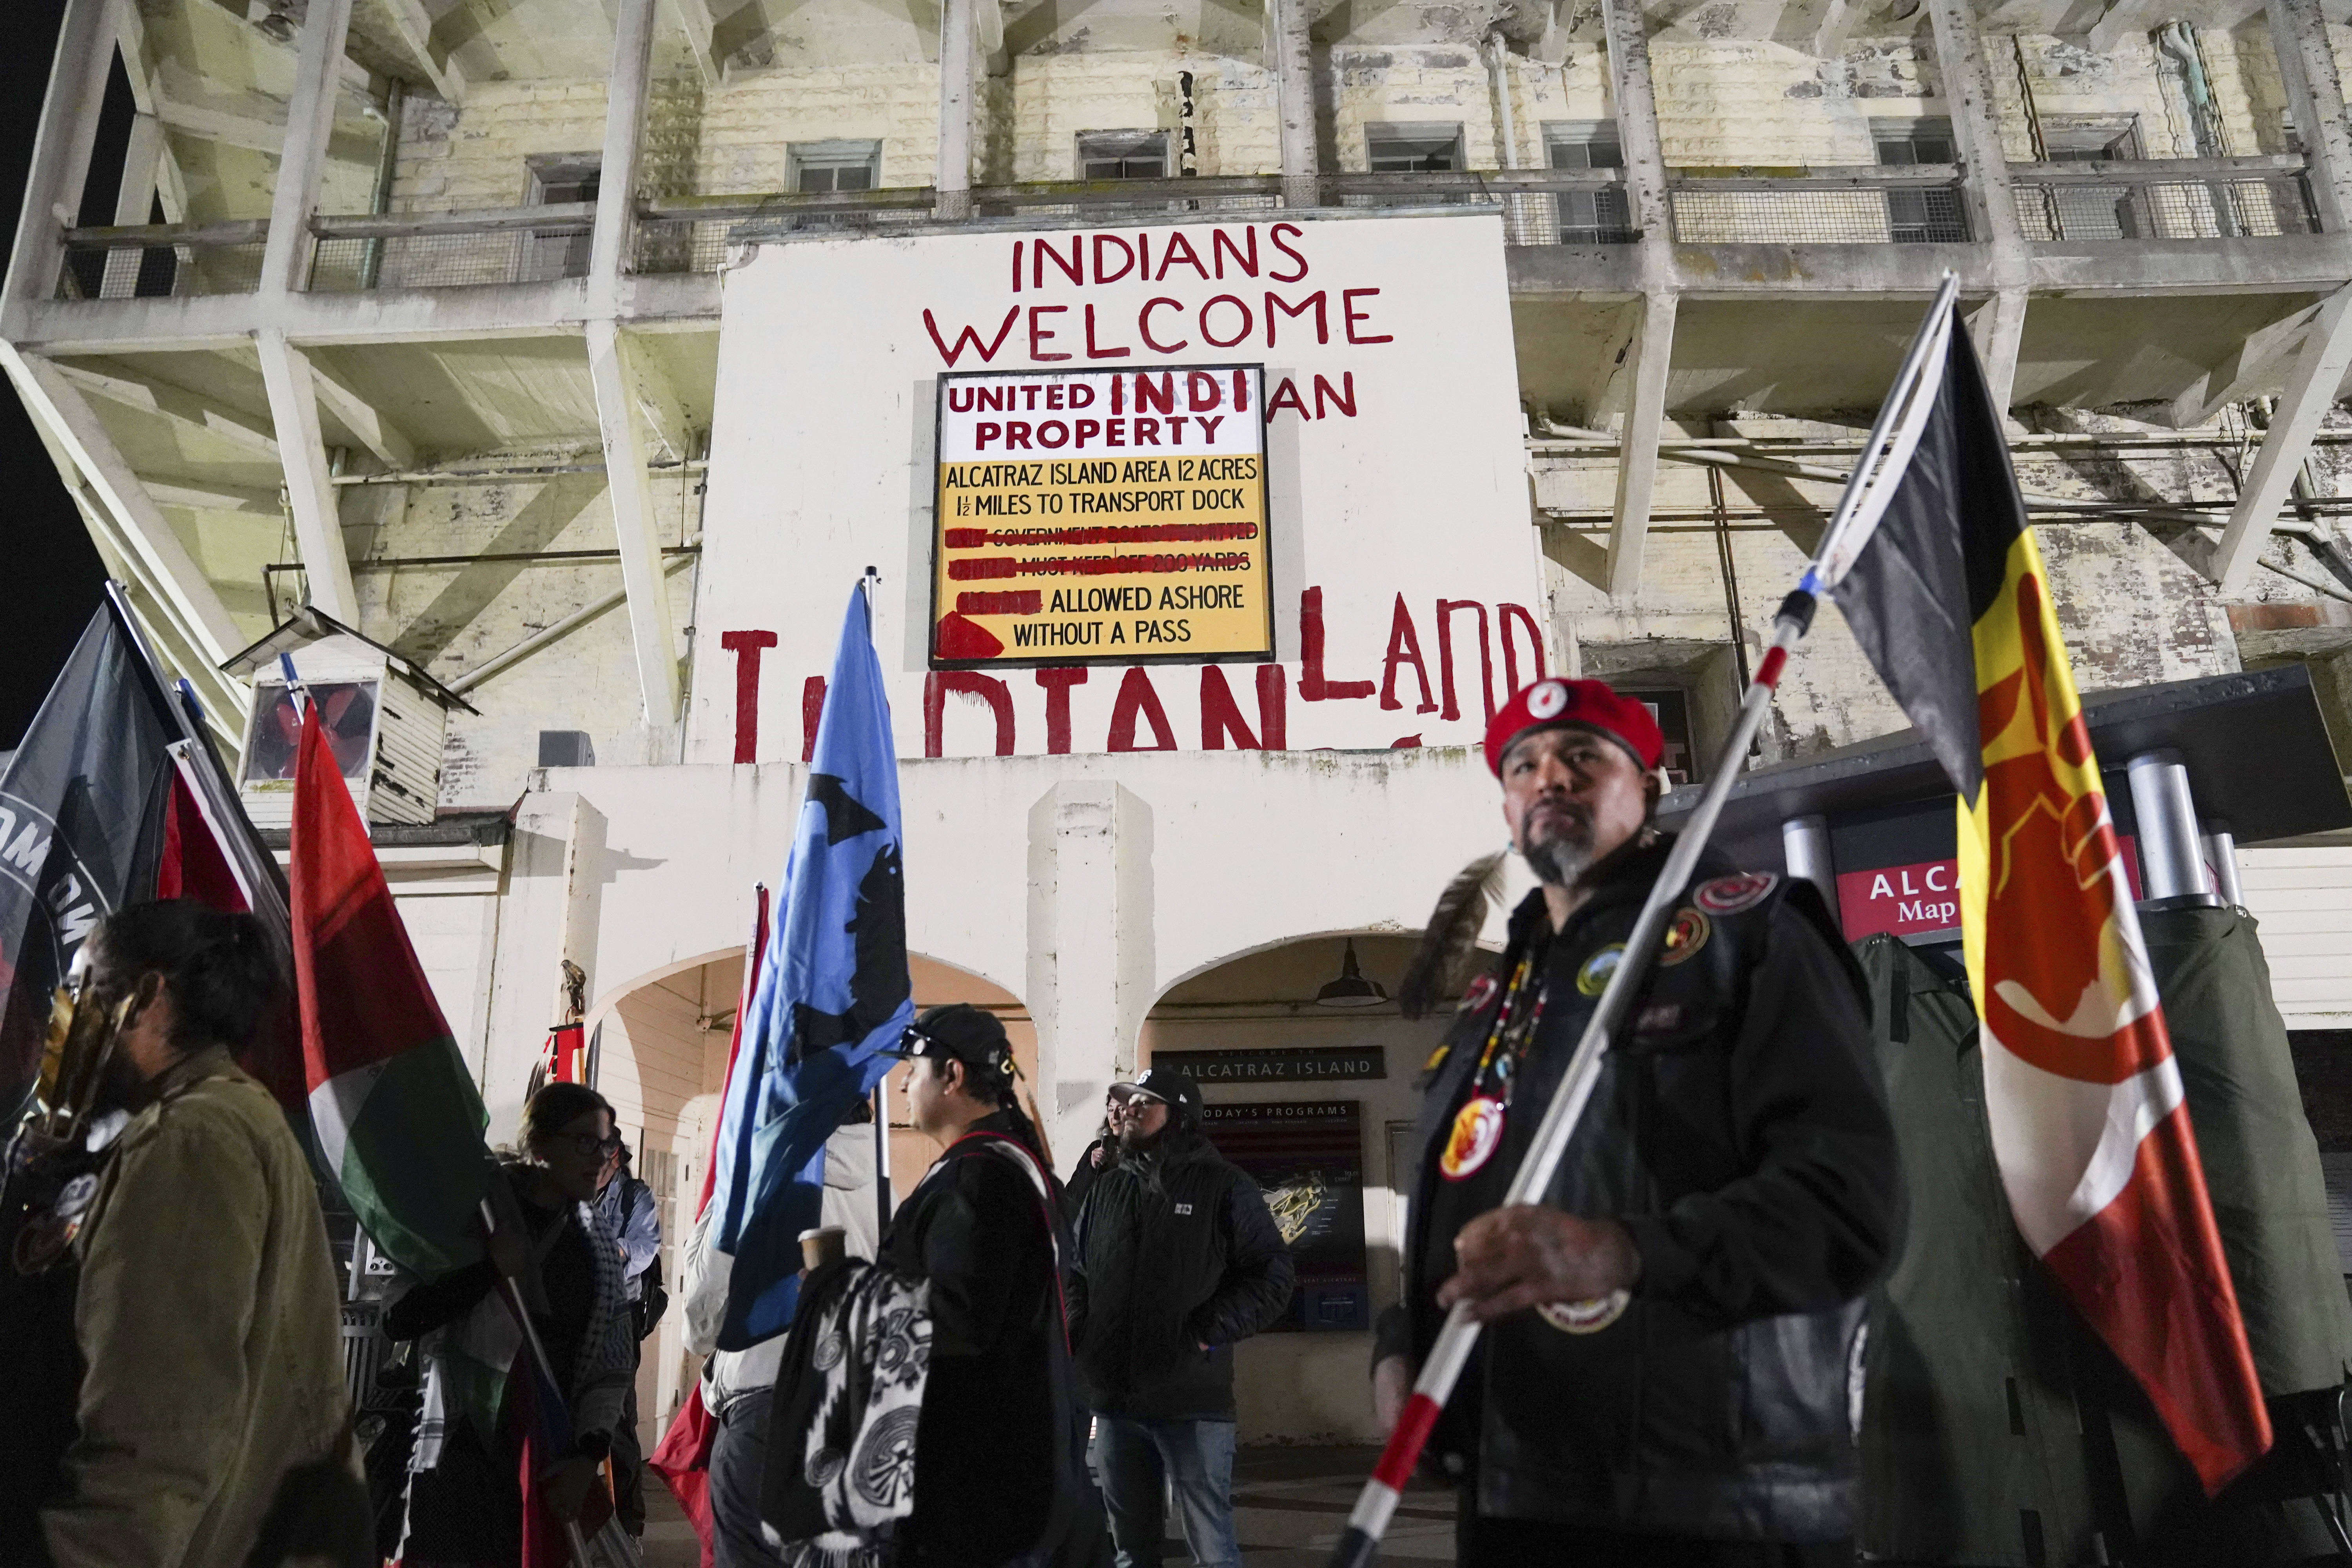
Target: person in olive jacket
[[1669, 1371], [1178, 1260]]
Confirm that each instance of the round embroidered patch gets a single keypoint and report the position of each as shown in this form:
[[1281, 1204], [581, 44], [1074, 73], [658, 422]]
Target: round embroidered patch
[[1482, 991], [1546, 699], [1477, 1132], [1593, 978], [822, 1466], [1686, 934], [1586, 1317], [1729, 894], [828, 1352]]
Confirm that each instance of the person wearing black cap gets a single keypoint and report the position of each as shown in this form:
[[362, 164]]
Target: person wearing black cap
[[999, 1475], [1668, 1372], [1178, 1260]]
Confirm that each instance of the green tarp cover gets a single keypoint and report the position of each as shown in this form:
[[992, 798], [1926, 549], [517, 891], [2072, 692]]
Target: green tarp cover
[[1996, 1431]]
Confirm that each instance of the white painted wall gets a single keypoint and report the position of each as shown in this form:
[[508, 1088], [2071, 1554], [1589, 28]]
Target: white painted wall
[[2303, 897], [821, 462]]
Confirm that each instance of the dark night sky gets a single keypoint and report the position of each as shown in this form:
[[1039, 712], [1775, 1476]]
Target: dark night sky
[[50, 575]]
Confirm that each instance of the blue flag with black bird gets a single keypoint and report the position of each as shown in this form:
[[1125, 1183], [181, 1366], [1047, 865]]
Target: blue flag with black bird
[[833, 993]]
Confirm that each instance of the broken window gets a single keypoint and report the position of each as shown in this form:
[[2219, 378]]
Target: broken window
[[1590, 217], [1122, 155], [1399, 147]]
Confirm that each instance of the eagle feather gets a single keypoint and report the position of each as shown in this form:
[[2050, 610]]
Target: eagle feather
[[1438, 964]]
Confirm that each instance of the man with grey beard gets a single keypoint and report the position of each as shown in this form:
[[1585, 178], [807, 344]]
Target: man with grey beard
[[1670, 1363]]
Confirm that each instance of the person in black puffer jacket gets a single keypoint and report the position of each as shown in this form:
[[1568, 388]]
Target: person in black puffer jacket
[[1178, 1260]]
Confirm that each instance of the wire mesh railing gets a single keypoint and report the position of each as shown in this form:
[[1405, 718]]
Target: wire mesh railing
[[162, 261], [1919, 204], [2174, 198], [454, 249]]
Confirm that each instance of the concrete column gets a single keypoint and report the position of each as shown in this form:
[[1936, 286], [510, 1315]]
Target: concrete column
[[2171, 852], [1294, 74], [629, 489], [1961, 58], [66, 415], [1090, 947], [310, 487], [1634, 100], [285, 267], [2319, 369], [2314, 91], [134, 202], [1637, 448], [1805, 844], [952, 179], [617, 173], [61, 153], [1635, 103], [555, 880], [302, 157], [1997, 329]]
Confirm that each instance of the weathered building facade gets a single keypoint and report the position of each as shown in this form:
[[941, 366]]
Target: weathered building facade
[[417, 311]]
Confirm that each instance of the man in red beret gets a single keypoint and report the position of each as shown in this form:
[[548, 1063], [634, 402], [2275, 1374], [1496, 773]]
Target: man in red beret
[[1670, 1368]]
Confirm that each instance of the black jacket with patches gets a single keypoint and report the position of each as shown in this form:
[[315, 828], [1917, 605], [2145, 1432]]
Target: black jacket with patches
[[1175, 1250], [1741, 1135]]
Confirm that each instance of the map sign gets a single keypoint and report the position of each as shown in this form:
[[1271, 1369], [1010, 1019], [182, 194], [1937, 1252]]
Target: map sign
[[1101, 516]]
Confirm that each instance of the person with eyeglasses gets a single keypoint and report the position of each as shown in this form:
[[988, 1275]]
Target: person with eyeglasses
[[465, 1501]]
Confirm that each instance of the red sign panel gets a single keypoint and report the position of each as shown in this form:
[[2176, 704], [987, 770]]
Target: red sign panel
[[1925, 895], [1902, 900]]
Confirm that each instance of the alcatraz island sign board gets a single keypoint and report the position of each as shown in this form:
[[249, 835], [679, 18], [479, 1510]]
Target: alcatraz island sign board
[[1101, 516], [1217, 481], [1285, 1064]]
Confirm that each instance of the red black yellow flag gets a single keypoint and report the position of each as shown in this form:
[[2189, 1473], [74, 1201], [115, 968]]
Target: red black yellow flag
[[2084, 1098]]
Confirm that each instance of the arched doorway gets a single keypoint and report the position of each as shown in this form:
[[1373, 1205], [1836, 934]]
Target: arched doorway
[[1314, 1100], [660, 1056]]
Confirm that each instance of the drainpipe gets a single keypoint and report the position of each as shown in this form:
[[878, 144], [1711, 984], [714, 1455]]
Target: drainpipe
[[387, 165], [1499, 71], [2176, 39]]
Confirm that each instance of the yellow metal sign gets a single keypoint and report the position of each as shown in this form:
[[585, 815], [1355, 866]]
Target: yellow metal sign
[[1101, 517]]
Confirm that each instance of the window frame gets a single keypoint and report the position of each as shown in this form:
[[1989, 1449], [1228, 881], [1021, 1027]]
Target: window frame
[[1401, 131], [832, 155], [1137, 137]]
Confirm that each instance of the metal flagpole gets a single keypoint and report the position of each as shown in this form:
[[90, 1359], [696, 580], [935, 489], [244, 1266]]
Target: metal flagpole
[[1872, 485], [511, 1293], [871, 581]]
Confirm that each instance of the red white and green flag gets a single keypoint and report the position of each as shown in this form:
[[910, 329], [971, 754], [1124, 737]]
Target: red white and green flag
[[399, 1120]]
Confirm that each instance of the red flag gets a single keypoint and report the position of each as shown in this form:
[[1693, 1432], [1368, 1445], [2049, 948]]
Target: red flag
[[683, 1462], [398, 1117]]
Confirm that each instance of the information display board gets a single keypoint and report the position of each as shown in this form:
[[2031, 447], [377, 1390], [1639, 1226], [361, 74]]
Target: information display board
[[1051, 579], [1307, 1157], [1101, 516]]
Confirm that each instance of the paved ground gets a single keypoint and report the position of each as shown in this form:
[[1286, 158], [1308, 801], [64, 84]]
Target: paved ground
[[1289, 1505]]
